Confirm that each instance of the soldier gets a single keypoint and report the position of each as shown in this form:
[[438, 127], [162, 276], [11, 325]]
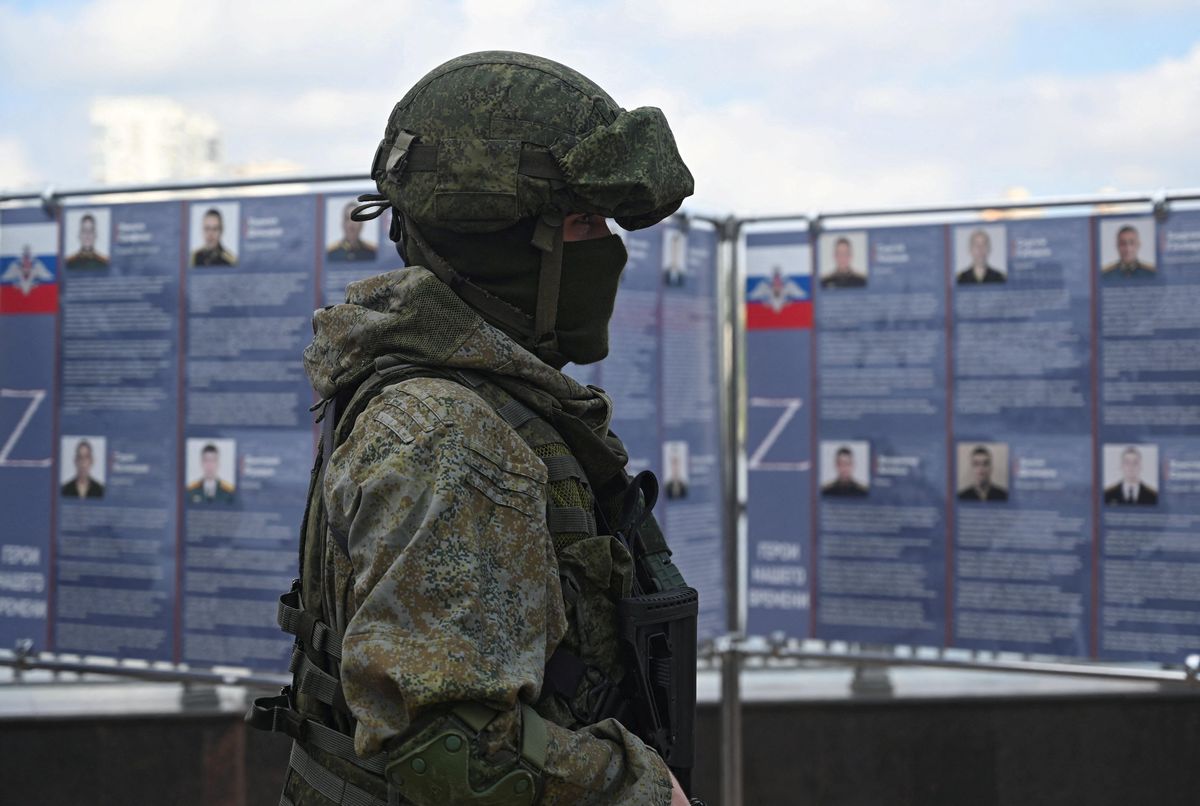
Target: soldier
[[843, 274], [456, 615], [844, 485], [351, 247], [87, 257], [213, 253], [982, 488], [1128, 266], [1131, 490], [83, 485], [210, 488], [979, 271]]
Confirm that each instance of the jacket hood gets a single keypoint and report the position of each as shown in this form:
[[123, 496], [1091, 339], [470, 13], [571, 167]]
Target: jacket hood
[[411, 314]]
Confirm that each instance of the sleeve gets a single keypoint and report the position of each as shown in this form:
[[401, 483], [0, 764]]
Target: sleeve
[[456, 586]]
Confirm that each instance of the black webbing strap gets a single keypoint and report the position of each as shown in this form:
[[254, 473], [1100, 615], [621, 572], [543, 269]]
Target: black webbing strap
[[548, 239], [516, 413], [315, 682], [312, 633], [536, 163], [561, 468], [570, 520], [277, 714], [329, 783]]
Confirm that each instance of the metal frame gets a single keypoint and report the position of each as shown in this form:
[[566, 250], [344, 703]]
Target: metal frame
[[50, 195], [731, 650]]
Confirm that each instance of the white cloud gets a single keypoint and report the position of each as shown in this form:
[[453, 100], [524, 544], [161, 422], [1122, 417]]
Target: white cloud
[[16, 168], [778, 106]]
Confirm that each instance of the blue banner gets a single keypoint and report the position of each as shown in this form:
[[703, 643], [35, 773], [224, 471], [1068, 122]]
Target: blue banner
[[28, 319], [881, 427], [779, 427], [248, 435], [1148, 457], [1023, 441], [115, 572]]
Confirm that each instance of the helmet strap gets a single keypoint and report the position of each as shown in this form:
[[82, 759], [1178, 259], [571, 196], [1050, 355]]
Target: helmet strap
[[509, 317], [548, 239]]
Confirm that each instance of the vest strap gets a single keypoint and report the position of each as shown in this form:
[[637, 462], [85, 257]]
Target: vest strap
[[317, 683], [329, 783], [570, 520], [277, 714], [561, 468], [515, 413], [314, 634]]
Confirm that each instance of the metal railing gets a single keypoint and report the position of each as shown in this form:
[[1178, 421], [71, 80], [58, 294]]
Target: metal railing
[[730, 652]]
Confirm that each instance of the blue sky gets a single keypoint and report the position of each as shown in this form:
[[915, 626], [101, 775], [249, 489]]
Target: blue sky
[[777, 107]]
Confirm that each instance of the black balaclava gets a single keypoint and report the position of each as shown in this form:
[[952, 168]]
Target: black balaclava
[[506, 265]]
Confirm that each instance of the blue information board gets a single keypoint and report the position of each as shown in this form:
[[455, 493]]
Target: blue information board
[[1004, 452], [881, 431], [1148, 456], [115, 572], [28, 321], [155, 432], [779, 425]]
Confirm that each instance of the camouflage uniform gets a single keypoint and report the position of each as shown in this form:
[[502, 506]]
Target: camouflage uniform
[[453, 549], [452, 591]]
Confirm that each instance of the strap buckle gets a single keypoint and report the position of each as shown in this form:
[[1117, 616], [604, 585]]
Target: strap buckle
[[277, 714]]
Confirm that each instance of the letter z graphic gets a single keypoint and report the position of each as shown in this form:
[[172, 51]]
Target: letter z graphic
[[790, 408], [35, 398]]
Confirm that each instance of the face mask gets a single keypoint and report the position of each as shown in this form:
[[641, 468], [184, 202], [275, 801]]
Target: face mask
[[591, 271]]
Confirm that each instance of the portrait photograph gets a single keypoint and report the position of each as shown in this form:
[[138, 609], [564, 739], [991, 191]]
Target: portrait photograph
[[980, 254], [982, 471], [86, 237], [347, 240], [842, 259], [1129, 474], [674, 256], [213, 233], [82, 466], [845, 468], [210, 473], [675, 469], [1127, 248]]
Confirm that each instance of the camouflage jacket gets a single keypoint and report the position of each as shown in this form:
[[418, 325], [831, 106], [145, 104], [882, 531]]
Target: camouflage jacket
[[452, 590]]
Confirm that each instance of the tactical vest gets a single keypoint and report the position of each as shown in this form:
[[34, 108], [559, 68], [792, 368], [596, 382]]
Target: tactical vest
[[615, 660]]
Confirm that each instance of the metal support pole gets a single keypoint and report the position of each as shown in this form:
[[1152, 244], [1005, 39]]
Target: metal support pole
[[733, 441]]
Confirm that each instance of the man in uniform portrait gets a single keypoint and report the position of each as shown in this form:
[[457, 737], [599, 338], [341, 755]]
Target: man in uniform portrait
[[676, 485], [1131, 490], [1128, 265], [87, 257], [979, 271], [351, 248], [982, 488], [210, 488], [843, 274], [83, 485], [213, 253], [844, 484]]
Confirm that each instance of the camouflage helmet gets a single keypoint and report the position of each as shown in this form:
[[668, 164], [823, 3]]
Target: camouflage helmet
[[491, 139]]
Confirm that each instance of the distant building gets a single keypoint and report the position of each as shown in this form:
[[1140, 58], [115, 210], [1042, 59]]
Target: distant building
[[150, 139]]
